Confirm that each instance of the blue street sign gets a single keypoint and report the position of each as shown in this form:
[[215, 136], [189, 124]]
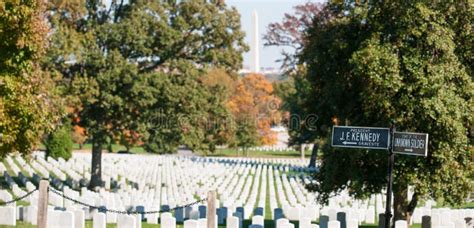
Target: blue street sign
[[361, 137]]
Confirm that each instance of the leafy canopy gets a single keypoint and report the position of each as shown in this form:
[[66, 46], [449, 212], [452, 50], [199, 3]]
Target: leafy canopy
[[138, 58], [373, 63], [29, 105]]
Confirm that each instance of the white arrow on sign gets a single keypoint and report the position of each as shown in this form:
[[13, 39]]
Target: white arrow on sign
[[350, 143], [409, 150]]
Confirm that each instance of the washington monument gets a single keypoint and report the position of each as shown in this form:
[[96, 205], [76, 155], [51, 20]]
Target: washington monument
[[254, 45]]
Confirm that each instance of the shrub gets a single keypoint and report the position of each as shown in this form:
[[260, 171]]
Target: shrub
[[59, 143]]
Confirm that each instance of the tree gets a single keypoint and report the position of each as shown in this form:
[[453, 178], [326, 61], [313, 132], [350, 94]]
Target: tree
[[129, 139], [246, 135], [187, 112], [115, 60], [79, 134], [266, 106], [290, 34], [242, 107], [59, 142], [29, 106], [253, 101], [299, 121], [374, 63], [221, 126]]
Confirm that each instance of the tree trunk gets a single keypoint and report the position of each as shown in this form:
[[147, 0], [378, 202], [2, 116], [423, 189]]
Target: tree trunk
[[81, 146], [96, 169], [403, 210], [314, 156], [411, 207]]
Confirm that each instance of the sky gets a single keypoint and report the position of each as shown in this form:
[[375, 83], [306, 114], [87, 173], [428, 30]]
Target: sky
[[268, 11]]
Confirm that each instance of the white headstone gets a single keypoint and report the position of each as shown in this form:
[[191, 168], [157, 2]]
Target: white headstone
[[233, 222], [449, 225], [282, 222], [31, 214], [138, 221], [66, 219], [332, 215], [79, 221], [152, 218], [334, 224], [460, 224], [288, 225], [168, 222], [202, 223], [8, 216], [370, 215], [258, 220], [126, 221], [191, 223], [99, 220], [352, 223], [111, 218], [401, 224]]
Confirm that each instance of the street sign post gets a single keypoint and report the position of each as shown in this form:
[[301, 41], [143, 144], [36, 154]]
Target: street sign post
[[361, 137], [410, 143], [382, 139]]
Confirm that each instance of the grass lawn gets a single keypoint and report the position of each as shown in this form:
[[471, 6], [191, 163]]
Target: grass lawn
[[218, 153], [115, 148], [266, 154]]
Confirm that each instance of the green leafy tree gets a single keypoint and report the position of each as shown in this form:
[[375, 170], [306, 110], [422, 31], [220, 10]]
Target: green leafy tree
[[246, 134], [373, 63], [290, 34], [187, 112], [29, 106], [122, 63], [59, 142]]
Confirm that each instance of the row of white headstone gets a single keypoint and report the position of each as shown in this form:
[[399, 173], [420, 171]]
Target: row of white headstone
[[242, 184]]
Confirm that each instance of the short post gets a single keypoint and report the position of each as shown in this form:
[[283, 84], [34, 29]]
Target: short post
[[42, 218], [211, 209]]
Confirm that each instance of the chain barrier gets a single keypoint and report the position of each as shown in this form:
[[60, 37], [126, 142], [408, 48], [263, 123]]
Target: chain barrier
[[104, 209], [18, 199]]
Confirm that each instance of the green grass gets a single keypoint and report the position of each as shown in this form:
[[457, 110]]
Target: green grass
[[115, 148], [217, 153], [19, 224], [267, 154]]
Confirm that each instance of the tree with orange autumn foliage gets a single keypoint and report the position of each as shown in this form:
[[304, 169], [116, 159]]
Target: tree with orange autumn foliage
[[254, 105], [129, 138], [78, 134]]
